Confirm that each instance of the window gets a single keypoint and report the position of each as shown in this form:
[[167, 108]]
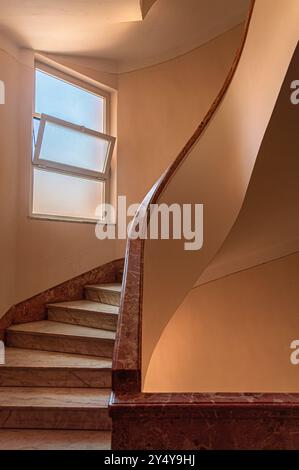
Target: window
[[71, 147]]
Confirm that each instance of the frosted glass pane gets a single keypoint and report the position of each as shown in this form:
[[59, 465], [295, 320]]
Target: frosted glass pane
[[65, 195], [69, 102], [65, 145]]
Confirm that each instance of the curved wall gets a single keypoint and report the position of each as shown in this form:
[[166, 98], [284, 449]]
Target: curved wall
[[267, 227], [159, 107], [218, 169], [237, 330], [233, 335]]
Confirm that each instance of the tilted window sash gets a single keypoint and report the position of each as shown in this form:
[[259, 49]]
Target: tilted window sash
[[102, 147]]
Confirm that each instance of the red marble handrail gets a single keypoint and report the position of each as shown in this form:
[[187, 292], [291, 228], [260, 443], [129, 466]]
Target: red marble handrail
[[126, 374]]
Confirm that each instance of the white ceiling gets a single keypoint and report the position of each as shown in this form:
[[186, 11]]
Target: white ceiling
[[114, 30]]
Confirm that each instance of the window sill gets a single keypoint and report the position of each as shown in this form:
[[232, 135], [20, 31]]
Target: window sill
[[57, 218]]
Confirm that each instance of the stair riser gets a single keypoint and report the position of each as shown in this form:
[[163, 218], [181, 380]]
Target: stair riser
[[75, 378], [74, 345], [103, 321], [32, 439], [47, 418], [110, 298]]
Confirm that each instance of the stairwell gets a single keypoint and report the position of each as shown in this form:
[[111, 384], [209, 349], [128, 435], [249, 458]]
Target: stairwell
[[57, 375]]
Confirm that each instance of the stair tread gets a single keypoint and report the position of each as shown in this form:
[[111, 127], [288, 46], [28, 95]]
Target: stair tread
[[39, 439], [86, 306], [43, 397], [116, 287], [52, 328], [17, 357]]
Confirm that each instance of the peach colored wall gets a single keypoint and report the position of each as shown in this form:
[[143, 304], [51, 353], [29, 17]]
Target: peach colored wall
[[8, 178], [233, 335], [96, 70], [268, 224], [161, 106]]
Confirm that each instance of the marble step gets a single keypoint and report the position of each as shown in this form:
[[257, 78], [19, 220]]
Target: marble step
[[84, 313], [104, 293], [35, 368], [54, 408], [39, 439], [61, 337]]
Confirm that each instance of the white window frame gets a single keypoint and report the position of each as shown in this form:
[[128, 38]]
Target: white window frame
[[70, 169], [61, 168]]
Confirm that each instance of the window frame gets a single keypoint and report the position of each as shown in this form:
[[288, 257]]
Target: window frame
[[69, 76], [74, 170], [60, 168]]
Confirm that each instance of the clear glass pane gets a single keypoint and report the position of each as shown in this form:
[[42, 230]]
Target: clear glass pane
[[65, 145], [56, 194], [69, 102]]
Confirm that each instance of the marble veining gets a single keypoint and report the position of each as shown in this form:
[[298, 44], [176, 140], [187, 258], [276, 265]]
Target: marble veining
[[30, 358], [86, 306], [47, 327], [105, 293], [14, 397], [54, 440], [57, 374], [34, 309]]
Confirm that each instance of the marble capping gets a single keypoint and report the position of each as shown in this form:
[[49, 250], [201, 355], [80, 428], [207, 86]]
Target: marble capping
[[205, 421], [206, 433], [34, 309], [205, 400]]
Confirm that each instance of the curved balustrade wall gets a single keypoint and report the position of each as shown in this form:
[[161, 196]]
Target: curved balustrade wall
[[217, 170]]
